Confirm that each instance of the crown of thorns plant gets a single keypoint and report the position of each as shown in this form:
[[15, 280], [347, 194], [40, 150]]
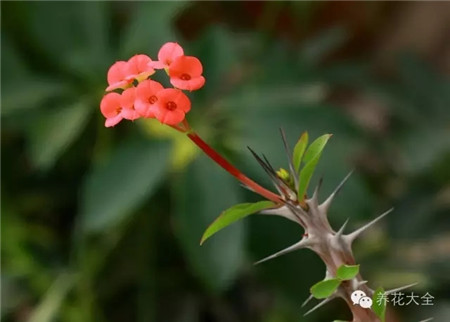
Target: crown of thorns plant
[[132, 94]]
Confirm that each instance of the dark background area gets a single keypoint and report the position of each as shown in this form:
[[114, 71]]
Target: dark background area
[[102, 224]]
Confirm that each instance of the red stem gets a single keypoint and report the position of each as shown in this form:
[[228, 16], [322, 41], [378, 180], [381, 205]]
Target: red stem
[[232, 169]]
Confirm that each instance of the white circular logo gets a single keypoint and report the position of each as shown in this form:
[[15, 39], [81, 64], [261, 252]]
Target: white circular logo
[[356, 296], [365, 302]]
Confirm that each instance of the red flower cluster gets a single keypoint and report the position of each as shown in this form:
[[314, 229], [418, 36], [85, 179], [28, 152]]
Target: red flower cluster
[[149, 99]]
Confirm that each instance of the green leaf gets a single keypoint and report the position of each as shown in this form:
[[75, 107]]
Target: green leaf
[[379, 305], [203, 192], [30, 93], [347, 272], [316, 49], [316, 148], [325, 288], [151, 26], [311, 158], [233, 214], [218, 51], [68, 31], [53, 132], [299, 150], [115, 189], [47, 310]]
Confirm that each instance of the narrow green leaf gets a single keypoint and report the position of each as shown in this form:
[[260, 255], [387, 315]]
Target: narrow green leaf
[[311, 158], [30, 93], [151, 25], [47, 310], [347, 272], [299, 150], [325, 288], [202, 191], [379, 303], [113, 190], [53, 132], [316, 147], [233, 214]]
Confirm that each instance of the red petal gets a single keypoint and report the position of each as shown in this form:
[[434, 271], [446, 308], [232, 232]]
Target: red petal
[[128, 97], [148, 88], [174, 95], [186, 65], [190, 85], [144, 108], [139, 65], [169, 51], [110, 104], [157, 64], [117, 72], [169, 117], [111, 121], [129, 114]]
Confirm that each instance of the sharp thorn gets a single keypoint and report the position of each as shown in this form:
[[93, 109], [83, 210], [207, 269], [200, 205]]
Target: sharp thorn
[[270, 172], [299, 213], [289, 156], [298, 210], [268, 163], [325, 301], [427, 320], [341, 230], [262, 163], [316, 191], [281, 184], [267, 168], [326, 204], [310, 297], [352, 236], [301, 244], [283, 212], [400, 288]]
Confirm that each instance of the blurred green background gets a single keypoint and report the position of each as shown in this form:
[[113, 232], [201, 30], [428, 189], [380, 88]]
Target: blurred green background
[[104, 224]]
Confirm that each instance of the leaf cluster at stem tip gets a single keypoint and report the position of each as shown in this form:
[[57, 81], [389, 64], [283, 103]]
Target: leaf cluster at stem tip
[[305, 159]]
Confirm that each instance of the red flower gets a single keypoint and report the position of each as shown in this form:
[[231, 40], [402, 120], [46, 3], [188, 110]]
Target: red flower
[[147, 98], [186, 73], [110, 108], [117, 76], [127, 100], [166, 55], [173, 104], [138, 68]]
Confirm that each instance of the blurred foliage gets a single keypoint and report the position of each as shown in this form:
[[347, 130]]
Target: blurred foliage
[[104, 224]]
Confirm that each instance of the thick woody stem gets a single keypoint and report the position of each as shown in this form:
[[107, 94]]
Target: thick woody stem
[[333, 247], [335, 250], [216, 157]]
